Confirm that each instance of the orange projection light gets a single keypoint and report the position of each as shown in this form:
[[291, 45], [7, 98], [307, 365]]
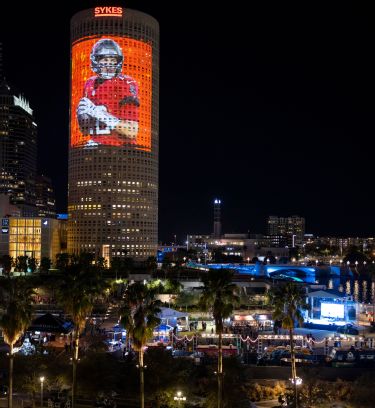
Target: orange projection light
[[111, 100]]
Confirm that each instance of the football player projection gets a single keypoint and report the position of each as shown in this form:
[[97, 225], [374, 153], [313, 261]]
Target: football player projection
[[108, 110]]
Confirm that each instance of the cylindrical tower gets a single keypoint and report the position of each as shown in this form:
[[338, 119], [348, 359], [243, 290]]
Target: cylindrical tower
[[114, 133], [217, 218]]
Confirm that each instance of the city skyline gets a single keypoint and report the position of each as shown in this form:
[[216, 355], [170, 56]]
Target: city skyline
[[270, 111]]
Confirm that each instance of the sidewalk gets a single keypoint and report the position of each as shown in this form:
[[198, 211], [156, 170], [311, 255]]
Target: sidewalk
[[267, 403]]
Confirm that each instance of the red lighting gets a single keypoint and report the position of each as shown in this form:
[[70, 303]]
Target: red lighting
[[108, 11]]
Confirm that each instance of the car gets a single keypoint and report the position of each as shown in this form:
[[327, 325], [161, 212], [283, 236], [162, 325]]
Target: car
[[348, 329]]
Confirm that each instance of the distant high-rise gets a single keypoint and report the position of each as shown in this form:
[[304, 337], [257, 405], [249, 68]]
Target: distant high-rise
[[114, 133], [45, 197], [217, 218], [18, 150], [288, 230]]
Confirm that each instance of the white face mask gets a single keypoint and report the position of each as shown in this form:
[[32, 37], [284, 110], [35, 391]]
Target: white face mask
[[108, 70]]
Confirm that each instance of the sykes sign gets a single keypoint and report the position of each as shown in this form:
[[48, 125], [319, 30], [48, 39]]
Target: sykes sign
[[108, 11]]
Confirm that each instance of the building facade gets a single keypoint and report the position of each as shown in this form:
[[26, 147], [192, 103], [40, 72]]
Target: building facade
[[45, 197], [33, 237], [18, 150], [286, 231], [114, 133], [244, 246]]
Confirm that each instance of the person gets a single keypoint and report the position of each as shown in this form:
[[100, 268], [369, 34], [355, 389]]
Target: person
[[109, 110]]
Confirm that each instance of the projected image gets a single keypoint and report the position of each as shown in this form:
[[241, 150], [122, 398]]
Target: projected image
[[113, 106], [332, 310]]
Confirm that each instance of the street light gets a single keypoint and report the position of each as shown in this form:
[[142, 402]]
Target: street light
[[298, 380], [41, 391], [179, 397]]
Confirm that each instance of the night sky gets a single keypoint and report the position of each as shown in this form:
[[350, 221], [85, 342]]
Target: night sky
[[270, 109]]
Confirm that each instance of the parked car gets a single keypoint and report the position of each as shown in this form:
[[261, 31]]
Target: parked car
[[348, 329]]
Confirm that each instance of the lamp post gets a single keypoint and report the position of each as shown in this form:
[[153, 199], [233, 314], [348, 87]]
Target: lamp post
[[179, 397], [41, 391], [296, 381]]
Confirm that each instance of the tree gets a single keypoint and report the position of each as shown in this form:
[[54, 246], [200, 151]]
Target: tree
[[151, 263], [45, 264], [81, 285], [287, 302], [16, 301], [218, 295], [31, 264], [62, 261], [139, 317], [6, 262], [353, 255], [21, 264]]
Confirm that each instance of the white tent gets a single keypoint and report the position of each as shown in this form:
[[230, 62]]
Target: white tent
[[169, 315]]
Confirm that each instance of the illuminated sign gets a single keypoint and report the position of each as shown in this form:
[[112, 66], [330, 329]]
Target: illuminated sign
[[111, 100], [108, 11], [5, 222]]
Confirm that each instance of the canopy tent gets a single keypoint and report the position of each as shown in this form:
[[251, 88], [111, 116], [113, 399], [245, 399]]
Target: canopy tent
[[327, 294], [51, 324], [163, 328], [162, 332], [170, 316]]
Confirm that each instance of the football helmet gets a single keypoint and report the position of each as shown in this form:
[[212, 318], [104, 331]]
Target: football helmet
[[102, 49]]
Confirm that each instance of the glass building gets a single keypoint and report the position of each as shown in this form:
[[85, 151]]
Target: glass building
[[18, 150]]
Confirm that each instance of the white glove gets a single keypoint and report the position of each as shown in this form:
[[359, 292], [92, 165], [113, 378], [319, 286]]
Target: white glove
[[86, 107]]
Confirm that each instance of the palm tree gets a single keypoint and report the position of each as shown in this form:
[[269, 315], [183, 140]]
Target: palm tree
[[139, 317], [218, 295], [80, 286], [16, 302], [288, 301]]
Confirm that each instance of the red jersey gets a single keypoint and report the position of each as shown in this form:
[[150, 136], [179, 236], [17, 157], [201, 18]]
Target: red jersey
[[120, 96]]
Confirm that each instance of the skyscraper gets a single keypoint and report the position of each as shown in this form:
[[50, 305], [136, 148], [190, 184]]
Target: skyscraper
[[18, 149], [114, 126]]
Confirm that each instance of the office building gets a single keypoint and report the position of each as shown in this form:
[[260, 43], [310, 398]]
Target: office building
[[114, 133], [18, 150], [286, 231]]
